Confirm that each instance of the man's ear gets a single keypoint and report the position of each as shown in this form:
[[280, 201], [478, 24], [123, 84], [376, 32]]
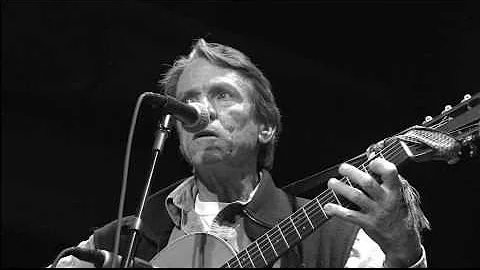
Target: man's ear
[[266, 133]]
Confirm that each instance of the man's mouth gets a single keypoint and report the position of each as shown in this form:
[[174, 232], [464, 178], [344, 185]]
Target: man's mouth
[[204, 133]]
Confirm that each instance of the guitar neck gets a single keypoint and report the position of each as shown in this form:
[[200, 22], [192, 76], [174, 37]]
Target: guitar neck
[[266, 249]]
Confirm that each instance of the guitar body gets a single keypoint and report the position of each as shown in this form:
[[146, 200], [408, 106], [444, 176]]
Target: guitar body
[[197, 250]]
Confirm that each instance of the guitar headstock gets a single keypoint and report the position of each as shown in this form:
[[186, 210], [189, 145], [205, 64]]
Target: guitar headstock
[[455, 117], [449, 136]]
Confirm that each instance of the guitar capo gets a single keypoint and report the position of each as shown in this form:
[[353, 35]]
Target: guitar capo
[[441, 146]]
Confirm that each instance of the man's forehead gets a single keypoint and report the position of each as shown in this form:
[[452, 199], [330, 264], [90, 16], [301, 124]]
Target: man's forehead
[[201, 73]]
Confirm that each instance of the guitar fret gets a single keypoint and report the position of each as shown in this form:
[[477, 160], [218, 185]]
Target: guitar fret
[[238, 260], [302, 223], [348, 181], [248, 254], [244, 259], [261, 253], [336, 198], [364, 168], [256, 260], [309, 221], [283, 236], [321, 208], [273, 247], [295, 227]]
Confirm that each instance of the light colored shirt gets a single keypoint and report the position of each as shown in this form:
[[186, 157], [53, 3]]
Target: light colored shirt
[[190, 214]]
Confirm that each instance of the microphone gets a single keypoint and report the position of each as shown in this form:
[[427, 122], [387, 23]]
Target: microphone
[[194, 115], [104, 259]]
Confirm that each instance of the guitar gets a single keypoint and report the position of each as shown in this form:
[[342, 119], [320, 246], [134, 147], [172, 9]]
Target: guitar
[[449, 136]]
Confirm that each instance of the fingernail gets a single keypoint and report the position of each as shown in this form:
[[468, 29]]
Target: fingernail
[[327, 207], [332, 181], [343, 167]]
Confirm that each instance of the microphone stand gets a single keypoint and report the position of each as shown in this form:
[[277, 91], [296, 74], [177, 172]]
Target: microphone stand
[[160, 138]]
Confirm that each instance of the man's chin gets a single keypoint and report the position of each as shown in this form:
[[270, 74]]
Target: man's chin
[[209, 158]]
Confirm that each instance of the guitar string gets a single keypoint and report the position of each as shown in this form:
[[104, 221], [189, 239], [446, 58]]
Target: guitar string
[[303, 222], [286, 233], [276, 235], [303, 219]]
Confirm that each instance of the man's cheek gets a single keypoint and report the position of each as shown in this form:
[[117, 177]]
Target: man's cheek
[[227, 125], [234, 120], [184, 153]]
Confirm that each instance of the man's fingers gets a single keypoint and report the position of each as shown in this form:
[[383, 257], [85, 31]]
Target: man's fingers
[[351, 193], [387, 171], [345, 214], [363, 179]]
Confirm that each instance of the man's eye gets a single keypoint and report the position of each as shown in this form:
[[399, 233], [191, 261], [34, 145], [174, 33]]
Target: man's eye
[[189, 100], [224, 95]]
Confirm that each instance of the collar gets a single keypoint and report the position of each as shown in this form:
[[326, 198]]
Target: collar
[[269, 205], [183, 198]]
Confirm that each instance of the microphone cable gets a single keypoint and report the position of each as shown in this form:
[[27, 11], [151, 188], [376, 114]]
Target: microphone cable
[[123, 191], [66, 252], [126, 165]]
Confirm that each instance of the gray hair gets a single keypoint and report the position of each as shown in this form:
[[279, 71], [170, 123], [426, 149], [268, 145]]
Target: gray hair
[[266, 110]]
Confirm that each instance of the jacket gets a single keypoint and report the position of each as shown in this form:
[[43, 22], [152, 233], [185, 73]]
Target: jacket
[[328, 246]]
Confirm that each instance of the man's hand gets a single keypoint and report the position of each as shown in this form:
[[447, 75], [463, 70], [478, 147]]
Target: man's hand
[[382, 214]]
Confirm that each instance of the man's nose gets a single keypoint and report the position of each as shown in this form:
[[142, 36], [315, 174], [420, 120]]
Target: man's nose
[[212, 111]]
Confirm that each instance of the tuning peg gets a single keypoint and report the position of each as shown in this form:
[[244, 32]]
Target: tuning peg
[[466, 97], [427, 119], [447, 108]]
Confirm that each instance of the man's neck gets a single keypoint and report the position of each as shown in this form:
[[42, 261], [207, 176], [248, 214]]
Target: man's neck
[[226, 185]]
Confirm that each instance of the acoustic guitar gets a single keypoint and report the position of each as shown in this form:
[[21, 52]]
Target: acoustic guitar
[[449, 136]]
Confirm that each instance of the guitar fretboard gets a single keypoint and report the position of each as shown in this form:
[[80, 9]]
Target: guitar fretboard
[[266, 249]]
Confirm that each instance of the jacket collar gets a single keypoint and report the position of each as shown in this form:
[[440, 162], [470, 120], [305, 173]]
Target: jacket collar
[[270, 204]]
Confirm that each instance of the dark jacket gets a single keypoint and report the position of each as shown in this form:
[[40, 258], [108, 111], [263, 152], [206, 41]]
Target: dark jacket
[[328, 246]]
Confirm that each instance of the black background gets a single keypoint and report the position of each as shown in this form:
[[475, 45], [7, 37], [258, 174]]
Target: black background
[[344, 74]]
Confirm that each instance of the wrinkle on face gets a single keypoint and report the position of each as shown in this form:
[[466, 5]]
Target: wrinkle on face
[[236, 144]]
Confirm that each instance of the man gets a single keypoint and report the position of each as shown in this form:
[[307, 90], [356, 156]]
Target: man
[[232, 195]]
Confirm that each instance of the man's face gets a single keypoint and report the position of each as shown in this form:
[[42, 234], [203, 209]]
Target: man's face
[[232, 136]]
